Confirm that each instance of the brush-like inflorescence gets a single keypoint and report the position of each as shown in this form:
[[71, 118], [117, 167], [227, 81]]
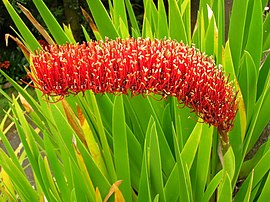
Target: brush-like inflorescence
[[139, 66]]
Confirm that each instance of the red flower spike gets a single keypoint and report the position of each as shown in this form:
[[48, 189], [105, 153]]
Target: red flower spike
[[139, 66]]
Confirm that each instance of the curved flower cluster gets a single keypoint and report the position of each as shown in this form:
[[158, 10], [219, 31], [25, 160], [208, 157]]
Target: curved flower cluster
[[139, 66]]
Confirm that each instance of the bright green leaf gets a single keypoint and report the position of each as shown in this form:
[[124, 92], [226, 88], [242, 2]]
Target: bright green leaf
[[236, 30], [225, 189], [190, 148], [104, 24], [229, 163], [255, 34], [203, 161], [121, 158], [176, 25]]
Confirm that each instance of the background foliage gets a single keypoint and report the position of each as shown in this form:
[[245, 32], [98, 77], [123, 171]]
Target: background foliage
[[91, 144]]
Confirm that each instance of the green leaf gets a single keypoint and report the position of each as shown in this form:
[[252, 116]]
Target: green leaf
[[48, 180], [228, 62], [172, 186], [203, 8], [103, 138], [263, 73], [203, 161], [120, 147], [229, 163], [84, 178], [221, 30], [123, 29], [79, 192], [147, 31], [52, 24], [119, 14], [144, 193], [97, 177], [102, 19], [248, 83], [236, 30], [264, 113], [22, 185], [190, 148], [261, 168], [184, 121], [157, 106], [245, 190], [248, 165], [26, 133], [185, 9], [212, 186], [260, 118], [92, 144], [264, 3], [176, 25], [240, 124], [255, 33], [10, 150], [167, 158], [225, 189], [132, 17], [69, 34], [240, 120], [59, 126], [152, 14], [264, 196], [156, 179], [140, 107], [185, 194], [183, 5], [73, 121], [201, 30], [259, 172], [135, 120], [105, 106], [135, 158], [162, 27], [167, 125], [56, 166], [211, 36], [266, 33], [86, 35], [156, 199]]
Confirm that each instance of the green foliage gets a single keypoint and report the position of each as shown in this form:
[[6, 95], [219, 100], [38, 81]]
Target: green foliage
[[81, 147], [14, 67]]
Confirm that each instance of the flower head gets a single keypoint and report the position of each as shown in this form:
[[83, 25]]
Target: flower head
[[5, 64], [139, 66]]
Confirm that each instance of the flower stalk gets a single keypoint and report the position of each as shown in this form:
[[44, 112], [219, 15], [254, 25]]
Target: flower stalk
[[139, 66]]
